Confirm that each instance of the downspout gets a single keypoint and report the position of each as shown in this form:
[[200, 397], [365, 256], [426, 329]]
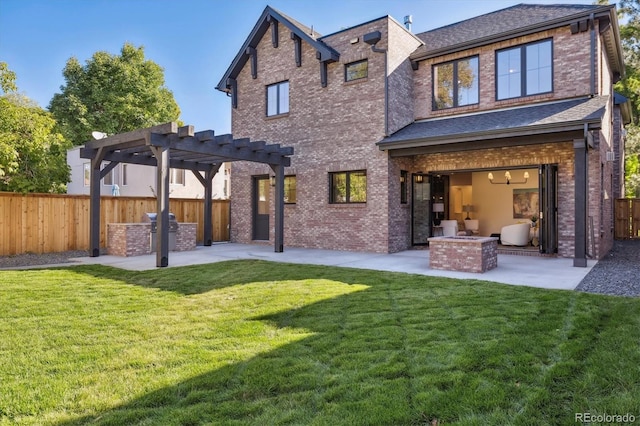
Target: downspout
[[592, 77], [386, 89], [581, 161], [373, 38]]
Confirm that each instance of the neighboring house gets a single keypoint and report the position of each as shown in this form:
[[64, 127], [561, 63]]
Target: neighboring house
[[393, 130], [134, 180]]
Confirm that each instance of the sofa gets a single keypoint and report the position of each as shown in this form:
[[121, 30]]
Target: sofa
[[515, 235]]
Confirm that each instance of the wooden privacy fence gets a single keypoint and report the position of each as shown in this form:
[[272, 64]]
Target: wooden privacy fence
[[46, 223], [627, 211]]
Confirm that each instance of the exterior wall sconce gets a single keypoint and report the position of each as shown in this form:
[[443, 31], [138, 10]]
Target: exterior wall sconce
[[272, 180], [419, 178], [508, 180]]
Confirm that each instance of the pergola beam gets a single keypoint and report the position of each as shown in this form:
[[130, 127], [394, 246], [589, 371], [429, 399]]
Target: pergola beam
[[168, 146]]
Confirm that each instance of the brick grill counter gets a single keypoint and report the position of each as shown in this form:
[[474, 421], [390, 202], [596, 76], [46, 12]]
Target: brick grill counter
[[134, 239], [465, 254]]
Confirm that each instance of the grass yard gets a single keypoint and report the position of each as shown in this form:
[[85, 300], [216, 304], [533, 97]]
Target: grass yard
[[253, 342]]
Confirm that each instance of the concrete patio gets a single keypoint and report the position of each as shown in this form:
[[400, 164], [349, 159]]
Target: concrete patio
[[543, 272]]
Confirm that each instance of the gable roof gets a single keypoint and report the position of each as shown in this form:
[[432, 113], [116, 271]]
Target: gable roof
[[542, 118], [325, 52], [503, 24]]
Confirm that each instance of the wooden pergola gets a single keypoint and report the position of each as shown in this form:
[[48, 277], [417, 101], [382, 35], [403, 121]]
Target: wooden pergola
[[169, 146]]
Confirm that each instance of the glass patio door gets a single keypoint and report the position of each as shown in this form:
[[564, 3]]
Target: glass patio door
[[548, 230], [420, 209]]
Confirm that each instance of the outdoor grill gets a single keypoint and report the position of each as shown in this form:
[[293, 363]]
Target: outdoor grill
[[173, 227]]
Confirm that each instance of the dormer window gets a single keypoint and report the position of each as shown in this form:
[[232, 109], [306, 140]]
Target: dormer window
[[278, 99], [456, 83], [524, 70]]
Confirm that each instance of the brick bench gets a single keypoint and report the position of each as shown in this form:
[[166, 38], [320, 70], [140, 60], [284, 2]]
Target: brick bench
[[463, 253]]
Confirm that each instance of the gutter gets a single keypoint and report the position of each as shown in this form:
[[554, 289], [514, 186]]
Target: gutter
[[490, 134]]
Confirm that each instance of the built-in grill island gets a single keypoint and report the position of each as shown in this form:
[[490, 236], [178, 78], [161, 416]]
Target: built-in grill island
[[136, 239], [152, 218]]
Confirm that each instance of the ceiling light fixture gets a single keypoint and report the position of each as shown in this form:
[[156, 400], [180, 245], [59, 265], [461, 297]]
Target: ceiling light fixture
[[508, 180]]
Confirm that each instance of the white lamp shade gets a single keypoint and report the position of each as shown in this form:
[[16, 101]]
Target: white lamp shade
[[438, 207]]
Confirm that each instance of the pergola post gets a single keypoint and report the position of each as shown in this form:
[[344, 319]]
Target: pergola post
[[94, 207], [278, 169], [208, 195], [162, 187]]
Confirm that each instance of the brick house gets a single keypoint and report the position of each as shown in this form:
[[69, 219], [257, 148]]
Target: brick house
[[394, 130]]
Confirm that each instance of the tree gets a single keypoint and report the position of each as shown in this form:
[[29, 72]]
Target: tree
[[112, 94], [630, 88], [32, 154]]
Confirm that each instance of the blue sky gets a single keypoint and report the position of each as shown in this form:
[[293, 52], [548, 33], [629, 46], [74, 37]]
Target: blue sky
[[193, 40]]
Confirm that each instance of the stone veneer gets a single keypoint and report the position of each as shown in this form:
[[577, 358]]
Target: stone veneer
[[465, 254], [134, 239]]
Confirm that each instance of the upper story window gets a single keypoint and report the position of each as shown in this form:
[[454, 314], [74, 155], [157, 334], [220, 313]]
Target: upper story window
[[524, 70], [86, 174], [176, 176], [456, 83], [278, 98], [356, 70], [111, 178], [348, 187]]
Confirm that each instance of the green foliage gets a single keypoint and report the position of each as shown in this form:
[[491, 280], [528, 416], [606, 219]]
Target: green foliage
[[112, 94], [32, 154], [632, 162], [630, 88], [7, 79]]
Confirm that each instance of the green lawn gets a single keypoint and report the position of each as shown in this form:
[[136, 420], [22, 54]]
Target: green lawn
[[252, 342]]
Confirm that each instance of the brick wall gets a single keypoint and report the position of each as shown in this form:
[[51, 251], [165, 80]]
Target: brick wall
[[331, 128], [186, 236], [128, 239]]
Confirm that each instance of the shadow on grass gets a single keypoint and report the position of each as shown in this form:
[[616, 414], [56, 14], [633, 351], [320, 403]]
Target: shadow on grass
[[405, 350]]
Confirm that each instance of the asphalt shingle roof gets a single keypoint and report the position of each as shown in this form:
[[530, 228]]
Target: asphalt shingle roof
[[492, 25], [525, 119]]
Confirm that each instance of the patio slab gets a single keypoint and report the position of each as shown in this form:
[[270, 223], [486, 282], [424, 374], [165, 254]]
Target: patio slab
[[543, 272]]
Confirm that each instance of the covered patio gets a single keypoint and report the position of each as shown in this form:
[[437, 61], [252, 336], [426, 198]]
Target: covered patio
[[169, 146]]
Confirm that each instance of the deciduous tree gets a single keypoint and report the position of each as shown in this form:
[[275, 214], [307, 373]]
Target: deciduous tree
[[32, 154], [112, 94]]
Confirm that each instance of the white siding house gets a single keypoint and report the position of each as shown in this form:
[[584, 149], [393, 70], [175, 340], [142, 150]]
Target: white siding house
[[133, 180]]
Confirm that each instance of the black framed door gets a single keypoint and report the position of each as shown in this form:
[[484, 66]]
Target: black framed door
[[261, 197], [420, 209], [548, 231]]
